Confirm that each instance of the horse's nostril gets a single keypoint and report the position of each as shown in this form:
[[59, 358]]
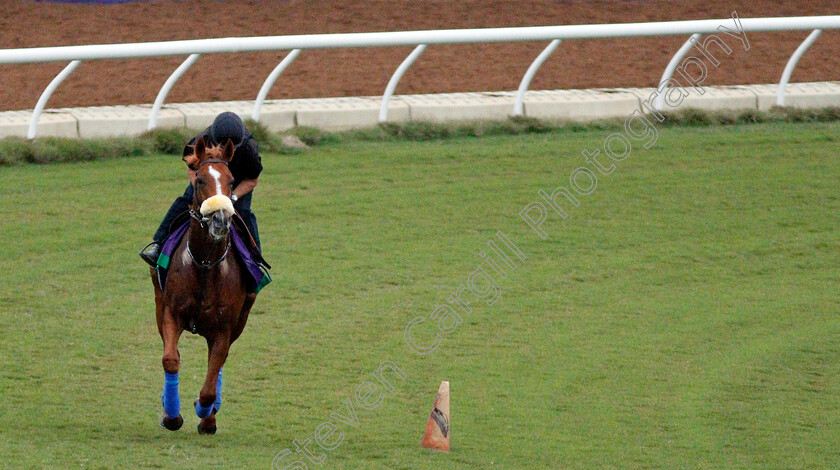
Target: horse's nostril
[[219, 224], [219, 218]]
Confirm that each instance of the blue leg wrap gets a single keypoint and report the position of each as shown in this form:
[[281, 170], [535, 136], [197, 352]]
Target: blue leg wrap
[[169, 398], [204, 412], [201, 411], [218, 403]]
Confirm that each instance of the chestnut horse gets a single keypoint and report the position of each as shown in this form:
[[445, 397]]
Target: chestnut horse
[[205, 290]]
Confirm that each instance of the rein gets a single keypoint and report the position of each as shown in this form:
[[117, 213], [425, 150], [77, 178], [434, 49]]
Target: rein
[[203, 220]]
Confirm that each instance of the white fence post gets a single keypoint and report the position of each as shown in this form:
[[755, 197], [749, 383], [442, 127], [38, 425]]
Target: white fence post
[[669, 71], [392, 83], [45, 95], [797, 54], [170, 82], [269, 82], [519, 106]]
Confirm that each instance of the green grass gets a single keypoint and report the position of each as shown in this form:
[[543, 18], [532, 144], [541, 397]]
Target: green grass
[[19, 151], [683, 316]]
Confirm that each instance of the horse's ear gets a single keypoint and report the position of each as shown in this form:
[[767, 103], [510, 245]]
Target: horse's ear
[[228, 152], [200, 148]]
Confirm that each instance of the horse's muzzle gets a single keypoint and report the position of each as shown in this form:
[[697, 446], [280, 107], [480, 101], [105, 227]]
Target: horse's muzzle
[[219, 224]]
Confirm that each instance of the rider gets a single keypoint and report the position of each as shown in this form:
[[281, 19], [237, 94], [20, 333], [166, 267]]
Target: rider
[[245, 167]]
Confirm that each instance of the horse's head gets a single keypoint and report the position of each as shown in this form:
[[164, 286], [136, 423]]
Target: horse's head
[[213, 185]]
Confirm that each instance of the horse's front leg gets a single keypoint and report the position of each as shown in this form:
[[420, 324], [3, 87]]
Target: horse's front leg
[[207, 404], [170, 332]]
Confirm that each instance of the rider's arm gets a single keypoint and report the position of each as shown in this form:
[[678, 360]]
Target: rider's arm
[[251, 154], [245, 186], [188, 150]]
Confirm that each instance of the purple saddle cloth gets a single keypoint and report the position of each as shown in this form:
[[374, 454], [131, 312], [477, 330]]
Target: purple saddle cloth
[[258, 276]]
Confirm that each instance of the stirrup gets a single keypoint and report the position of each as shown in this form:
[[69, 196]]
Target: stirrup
[[150, 253]]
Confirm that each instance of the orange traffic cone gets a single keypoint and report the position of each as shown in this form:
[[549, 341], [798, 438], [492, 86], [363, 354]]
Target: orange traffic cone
[[437, 428]]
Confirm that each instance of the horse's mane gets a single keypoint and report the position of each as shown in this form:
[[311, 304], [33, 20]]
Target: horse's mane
[[216, 151], [201, 153]]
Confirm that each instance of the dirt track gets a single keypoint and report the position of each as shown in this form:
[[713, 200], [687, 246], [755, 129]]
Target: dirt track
[[344, 72]]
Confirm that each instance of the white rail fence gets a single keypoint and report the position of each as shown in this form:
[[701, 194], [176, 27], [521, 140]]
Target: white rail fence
[[421, 39]]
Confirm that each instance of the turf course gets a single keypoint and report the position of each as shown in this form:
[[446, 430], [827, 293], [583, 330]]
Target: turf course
[[683, 316]]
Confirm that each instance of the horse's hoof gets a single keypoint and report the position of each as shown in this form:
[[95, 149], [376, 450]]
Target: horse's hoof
[[209, 427], [172, 424]]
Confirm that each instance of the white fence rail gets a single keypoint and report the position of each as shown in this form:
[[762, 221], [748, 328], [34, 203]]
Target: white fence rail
[[421, 39]]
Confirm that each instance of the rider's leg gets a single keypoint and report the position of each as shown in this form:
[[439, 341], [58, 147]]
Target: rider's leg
[[180, 205], [151, 252], [243, 206]]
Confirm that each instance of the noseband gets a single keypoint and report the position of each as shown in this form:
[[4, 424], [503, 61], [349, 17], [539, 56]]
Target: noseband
[[204, 221]]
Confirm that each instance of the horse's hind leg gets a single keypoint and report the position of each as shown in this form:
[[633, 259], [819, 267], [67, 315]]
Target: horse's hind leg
[[209, 397], [170, 332]]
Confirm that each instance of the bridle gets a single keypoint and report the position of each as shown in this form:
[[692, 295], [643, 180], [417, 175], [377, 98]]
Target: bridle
[[212, 160], [204, 221]]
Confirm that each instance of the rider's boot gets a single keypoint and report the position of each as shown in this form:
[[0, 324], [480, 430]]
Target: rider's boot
[[150, 253]]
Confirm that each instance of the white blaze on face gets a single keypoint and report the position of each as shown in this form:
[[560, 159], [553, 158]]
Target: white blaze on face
[[219, 201], [216, 175]]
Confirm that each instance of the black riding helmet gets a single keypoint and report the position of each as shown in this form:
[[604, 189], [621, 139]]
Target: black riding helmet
[[227, 126]]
